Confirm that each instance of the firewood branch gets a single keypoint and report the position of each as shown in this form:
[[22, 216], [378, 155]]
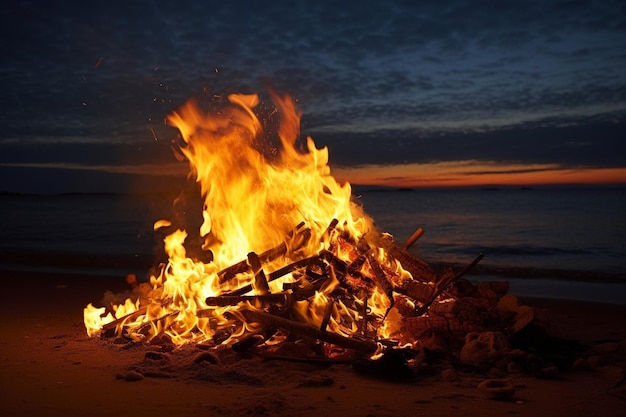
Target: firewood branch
[[305, 330]]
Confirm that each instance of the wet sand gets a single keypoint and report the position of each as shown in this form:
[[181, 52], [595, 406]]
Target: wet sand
[[49, 367]]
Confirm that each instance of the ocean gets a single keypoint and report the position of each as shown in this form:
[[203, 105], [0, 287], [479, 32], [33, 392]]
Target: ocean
[[546, 242]]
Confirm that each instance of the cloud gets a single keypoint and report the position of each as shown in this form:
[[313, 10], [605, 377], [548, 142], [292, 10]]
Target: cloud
[[154, 170], [476, 173], [590, 142], [379, 82]]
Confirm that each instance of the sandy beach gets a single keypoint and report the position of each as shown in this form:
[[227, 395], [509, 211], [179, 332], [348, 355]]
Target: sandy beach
[[50, 367]]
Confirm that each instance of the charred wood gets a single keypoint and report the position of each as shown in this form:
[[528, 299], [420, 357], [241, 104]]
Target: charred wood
[[381, 281], [417, 290], [327, 313], [411, 240], [329, 230], [300, 236], [305, 330], [301, 264], [260, 281], [442, 286], [419, 269], [231, 300], [106, 328]]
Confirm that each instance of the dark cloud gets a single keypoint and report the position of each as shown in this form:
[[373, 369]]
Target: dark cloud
[[388, 74], [595, 143]]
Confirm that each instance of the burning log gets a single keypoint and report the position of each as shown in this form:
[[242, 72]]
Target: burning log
[[302, 263], [327, 312], [279, 273], [299, 238], [232, 300], [305, 330], [260, 281], [343, 268], [157, 322], [130, 316], [363, 323], [419, 269], [411, 240], [381, 281], [243, 266], [331, 226], [442, 286], [419, 291]]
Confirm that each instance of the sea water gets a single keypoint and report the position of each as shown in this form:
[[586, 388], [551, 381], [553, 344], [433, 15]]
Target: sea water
[[552, 242]]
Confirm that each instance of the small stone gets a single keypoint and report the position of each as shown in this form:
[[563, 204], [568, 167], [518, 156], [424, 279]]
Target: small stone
[[132, 376], [496, 389], [482, 349], [548, 372], [205, 356], [513, 367], [580, 364], [449, 375], [594, 361]]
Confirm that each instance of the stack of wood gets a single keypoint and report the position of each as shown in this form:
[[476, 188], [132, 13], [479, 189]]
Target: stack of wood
[[425, 309], [358, 278]]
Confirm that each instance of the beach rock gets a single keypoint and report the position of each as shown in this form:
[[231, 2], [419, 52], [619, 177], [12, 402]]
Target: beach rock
[[132, 376], [449, 375], [515, 360], [164, 342], [496, 389], [580, 364], [517, 355], [481, 349], [548, 372], [594, 361], [514, 367], [157, 356], [207, 357], [509, 303], [510, 309]]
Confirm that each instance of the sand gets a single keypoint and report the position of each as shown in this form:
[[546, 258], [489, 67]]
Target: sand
[[50, 367]]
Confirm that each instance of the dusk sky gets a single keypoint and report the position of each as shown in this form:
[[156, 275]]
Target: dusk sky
[[403, 93]]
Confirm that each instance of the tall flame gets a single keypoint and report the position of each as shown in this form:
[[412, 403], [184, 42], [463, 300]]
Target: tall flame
[[255, 193], [258, 191]]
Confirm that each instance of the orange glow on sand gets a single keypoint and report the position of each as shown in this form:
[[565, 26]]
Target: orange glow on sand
[[477, 173]]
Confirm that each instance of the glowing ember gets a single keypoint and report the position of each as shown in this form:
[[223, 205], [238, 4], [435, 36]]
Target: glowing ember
[[283, 238]]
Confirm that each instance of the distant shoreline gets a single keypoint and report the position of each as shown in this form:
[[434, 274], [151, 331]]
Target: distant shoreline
[[358, 188]]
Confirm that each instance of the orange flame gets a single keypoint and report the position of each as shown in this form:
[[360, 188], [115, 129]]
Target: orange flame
[[258, 194]]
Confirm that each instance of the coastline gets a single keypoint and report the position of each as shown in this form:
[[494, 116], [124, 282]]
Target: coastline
[[50, 367]]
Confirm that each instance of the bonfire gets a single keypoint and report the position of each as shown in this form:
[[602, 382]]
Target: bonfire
[[289, 257]]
